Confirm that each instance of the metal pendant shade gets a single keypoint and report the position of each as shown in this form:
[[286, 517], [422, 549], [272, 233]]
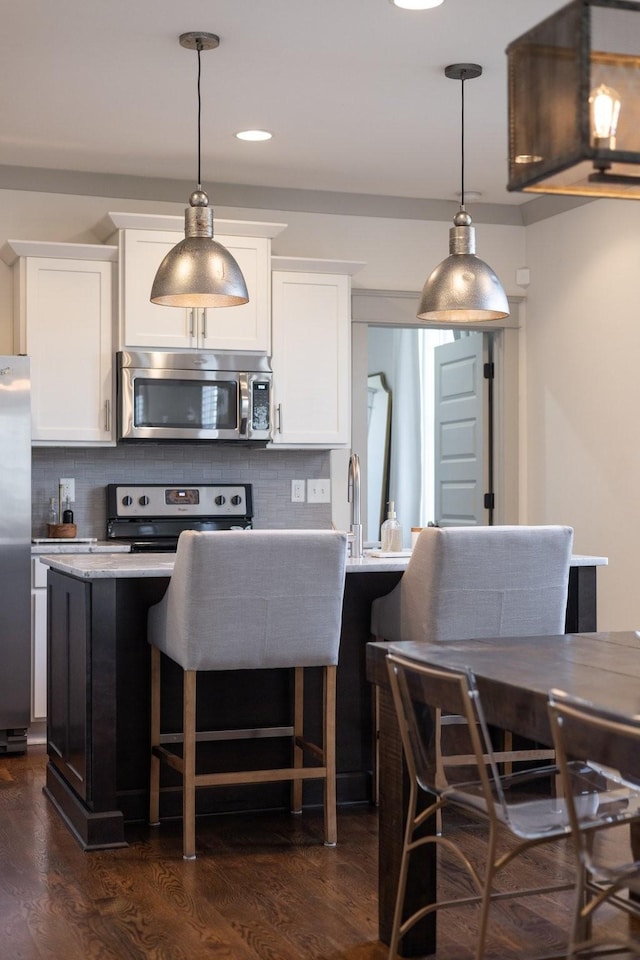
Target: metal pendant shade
[[463, 288], [199, 271]]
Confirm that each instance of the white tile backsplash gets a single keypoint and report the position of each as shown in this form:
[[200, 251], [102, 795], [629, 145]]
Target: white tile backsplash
[[269, 471]]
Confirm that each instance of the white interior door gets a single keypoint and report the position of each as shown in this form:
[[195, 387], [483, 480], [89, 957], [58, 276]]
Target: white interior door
[[461, 437]]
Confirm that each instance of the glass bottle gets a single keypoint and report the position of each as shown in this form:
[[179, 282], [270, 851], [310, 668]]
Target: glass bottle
[[67, 515], [391, 531], [52, 517]]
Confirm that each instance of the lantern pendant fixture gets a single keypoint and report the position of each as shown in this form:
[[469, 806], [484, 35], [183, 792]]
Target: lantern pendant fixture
[[574, 102], [463, 288], [199, 272]]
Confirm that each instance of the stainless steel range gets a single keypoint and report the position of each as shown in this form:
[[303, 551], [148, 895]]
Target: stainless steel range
[[151, 516]]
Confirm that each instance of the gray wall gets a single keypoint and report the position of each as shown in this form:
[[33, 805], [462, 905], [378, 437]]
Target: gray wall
[[269, 471]]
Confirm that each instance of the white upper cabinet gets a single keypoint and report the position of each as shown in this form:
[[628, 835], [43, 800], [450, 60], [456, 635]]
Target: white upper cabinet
[[311, 356], [144, 241], [63, 320]]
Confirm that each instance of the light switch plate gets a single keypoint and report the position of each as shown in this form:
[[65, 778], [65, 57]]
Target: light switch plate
[[297, 491], [67, 489], [319, 491]]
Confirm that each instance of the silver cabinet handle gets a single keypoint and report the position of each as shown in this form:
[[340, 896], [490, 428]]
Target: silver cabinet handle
[[107, 416], [192, 327], [204, 324], [279, 418]]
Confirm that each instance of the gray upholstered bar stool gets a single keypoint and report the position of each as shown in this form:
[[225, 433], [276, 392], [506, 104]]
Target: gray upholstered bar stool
[[250, 600], [462, 583]]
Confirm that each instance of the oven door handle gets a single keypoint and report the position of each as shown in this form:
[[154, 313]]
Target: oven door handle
[[244, 405]]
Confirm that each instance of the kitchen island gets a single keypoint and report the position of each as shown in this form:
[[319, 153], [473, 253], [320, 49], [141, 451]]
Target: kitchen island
[[98, 691]]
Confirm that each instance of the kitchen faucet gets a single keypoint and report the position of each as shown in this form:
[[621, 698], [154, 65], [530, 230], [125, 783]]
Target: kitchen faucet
[[353, 495]]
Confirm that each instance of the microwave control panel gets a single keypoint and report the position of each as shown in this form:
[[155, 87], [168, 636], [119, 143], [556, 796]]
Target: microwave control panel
[[260, 405]]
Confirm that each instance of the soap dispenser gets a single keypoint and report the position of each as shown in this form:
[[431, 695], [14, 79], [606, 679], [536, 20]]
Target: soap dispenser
[[391, 531]]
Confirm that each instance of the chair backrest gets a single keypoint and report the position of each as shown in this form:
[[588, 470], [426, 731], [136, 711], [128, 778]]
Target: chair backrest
[[253, 599], [467, 582], [418, 687], [596, 794]]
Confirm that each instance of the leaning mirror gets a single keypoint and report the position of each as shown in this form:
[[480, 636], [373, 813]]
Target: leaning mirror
[[378, 446]]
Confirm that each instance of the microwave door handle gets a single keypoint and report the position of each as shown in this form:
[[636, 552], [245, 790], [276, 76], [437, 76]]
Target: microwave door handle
[[244, 406]]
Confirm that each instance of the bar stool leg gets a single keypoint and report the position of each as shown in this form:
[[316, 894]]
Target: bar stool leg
[[298, 733], [154, 785], [329, 748], [189, 771]]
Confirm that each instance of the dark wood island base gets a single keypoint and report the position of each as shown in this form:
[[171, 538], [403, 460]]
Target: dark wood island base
[[98, 695]]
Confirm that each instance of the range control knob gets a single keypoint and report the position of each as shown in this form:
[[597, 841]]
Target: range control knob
[[144, 500], [236, 499], [220, 500], [127, 501]]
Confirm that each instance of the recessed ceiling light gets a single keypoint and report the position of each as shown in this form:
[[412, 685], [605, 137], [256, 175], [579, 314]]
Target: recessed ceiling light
[[254, 135], [416, 4], [469, 195]]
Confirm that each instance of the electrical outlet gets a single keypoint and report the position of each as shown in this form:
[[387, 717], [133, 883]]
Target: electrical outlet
[[297, 491], [319, 491], [67, 489]]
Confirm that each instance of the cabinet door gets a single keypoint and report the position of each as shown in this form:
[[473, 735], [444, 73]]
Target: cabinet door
[[142, 323], [311, 358], [248, 326], [65, 326], [148, 325], [38, 639], [39, 654]]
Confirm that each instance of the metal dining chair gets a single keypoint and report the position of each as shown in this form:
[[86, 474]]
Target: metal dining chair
[[518, 806], [603, 803], [251, 600], [462, 583]]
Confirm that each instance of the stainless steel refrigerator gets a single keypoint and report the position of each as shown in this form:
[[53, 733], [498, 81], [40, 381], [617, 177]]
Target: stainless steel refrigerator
[[15, 553]]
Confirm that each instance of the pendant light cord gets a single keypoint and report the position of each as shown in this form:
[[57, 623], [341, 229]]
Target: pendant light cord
[[199, 49], [462, 79]]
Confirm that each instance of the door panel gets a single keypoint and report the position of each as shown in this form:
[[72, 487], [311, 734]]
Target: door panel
[[460, 435]]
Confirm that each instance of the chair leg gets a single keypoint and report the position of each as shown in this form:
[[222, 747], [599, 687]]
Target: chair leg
[[154, 785], [440, 774], [189, 773], [508, 747], [298, 732], [329, 747], [486, 893]]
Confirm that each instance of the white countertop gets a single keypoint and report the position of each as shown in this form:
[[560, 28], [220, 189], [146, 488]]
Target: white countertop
[[69, 545], [102, 565]]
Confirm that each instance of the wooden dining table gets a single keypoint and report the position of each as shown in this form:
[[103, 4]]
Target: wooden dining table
[[514, 677]]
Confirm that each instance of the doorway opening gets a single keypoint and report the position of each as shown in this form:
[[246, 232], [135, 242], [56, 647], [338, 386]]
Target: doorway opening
[[372, 309], [429, 427]]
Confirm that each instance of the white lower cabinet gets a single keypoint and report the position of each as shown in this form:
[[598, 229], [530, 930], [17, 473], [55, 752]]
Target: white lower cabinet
[[38, 640], [63, 320], [311, 359]]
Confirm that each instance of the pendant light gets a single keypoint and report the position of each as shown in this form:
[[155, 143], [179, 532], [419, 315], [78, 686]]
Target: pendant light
[[199, 271], [463, 288], [574, 104]]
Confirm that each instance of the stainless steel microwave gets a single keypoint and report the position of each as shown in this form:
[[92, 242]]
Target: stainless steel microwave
[[194, 397]]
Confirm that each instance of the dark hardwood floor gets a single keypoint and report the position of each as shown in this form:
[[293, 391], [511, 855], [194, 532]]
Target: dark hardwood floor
[[263, 888]]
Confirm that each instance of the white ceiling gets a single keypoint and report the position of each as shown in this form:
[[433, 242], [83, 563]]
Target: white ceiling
[[353, 91]]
